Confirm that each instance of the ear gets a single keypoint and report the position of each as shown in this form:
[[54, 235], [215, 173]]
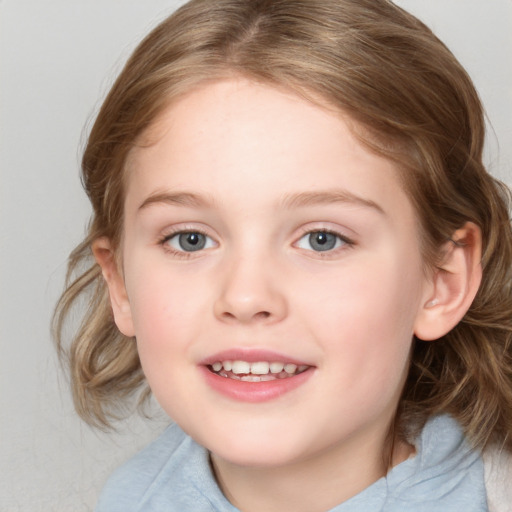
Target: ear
[[105, 257], [454, 284]]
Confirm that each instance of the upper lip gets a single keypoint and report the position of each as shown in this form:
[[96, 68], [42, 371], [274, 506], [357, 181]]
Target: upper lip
[[252, 356]]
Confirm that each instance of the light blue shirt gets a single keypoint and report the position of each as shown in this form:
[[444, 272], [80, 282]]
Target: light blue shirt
[[173, 475]]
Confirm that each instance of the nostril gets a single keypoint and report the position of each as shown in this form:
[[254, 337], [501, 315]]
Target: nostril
[[259, 316]]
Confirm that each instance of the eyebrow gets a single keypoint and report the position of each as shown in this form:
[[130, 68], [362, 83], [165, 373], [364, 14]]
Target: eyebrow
[[329, 197], [300, 200], [178, 199]]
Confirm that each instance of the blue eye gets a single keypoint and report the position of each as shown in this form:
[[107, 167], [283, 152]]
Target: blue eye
[[189, 241], [320, 241]]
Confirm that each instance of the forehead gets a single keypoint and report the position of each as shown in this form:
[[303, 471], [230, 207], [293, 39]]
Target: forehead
[[253, 137], [232, 104]]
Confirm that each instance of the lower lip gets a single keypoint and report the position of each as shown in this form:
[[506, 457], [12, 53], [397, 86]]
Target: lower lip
[[254, 391]]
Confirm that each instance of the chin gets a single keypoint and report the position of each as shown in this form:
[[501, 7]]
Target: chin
[[251, 447], [254, 458]]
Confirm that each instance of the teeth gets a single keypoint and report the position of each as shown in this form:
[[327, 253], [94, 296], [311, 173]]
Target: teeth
[[241, 367], [276, 367], [290, 368], [257, 378], [259, 368]]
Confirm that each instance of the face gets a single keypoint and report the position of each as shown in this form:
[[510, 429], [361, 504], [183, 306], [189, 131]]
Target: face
[[271, 275]]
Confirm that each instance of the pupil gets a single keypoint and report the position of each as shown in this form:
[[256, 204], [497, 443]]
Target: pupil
[[321, 238], [321, 241], [192, 241]]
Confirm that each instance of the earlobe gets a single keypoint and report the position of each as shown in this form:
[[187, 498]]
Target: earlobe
[[104, 255], [454, 284]]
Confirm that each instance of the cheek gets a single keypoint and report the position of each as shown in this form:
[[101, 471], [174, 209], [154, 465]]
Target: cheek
[[365, 320], [376, 294], [164, 309], [165, 321]]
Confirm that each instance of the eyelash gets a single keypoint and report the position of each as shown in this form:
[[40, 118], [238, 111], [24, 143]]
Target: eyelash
[[347, 243], [174, 252]]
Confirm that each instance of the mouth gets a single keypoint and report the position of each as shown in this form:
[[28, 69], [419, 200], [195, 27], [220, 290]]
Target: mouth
[[254, 375], [258, 371]]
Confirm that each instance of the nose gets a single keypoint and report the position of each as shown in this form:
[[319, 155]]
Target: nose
[[250, 291]]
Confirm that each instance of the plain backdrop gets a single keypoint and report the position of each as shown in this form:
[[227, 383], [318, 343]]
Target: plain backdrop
[[57, 60]]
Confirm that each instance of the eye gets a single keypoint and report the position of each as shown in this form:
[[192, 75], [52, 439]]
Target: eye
[[189, 241], [321, 241]]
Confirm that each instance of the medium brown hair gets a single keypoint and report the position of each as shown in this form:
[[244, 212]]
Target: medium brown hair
[[410, 101]]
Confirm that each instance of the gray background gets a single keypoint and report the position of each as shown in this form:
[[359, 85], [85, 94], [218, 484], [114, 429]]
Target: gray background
[[57, 60]]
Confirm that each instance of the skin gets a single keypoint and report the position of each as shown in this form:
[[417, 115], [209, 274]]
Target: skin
[[256, 169]]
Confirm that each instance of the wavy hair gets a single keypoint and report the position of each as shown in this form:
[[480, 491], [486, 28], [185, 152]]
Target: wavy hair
[[410, 100]]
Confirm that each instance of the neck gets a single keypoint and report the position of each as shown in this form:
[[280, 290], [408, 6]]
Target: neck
[[308, 485]]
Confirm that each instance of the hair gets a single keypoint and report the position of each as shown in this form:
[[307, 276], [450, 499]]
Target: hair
[[409, 100]]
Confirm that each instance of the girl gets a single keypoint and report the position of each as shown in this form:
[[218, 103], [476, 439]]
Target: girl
[[297, 247]]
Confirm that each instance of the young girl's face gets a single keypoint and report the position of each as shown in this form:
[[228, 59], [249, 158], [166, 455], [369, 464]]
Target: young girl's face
[[259, 230]]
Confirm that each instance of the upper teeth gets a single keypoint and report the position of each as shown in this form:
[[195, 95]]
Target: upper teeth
[[256, 368]]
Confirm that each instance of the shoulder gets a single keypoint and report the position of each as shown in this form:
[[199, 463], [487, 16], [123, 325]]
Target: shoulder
[[128, 485], [498, 479]]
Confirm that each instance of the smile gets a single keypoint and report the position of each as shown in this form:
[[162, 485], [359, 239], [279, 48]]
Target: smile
[[254, 375], [259, 371]]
